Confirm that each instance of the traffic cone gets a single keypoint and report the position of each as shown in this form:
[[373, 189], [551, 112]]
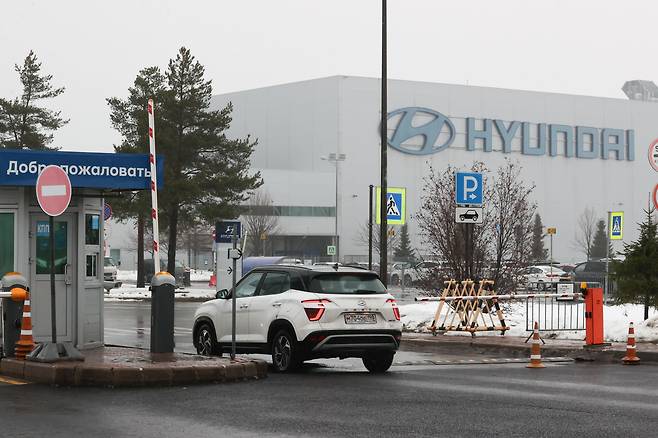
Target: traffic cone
[[213, 280], [25, 343], [630, 358], [535, 354]]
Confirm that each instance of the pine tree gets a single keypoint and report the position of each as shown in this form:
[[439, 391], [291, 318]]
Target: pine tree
[[404, 252], [23, 124], [599, 242], [537, 250], [637, 275], [206, 174]]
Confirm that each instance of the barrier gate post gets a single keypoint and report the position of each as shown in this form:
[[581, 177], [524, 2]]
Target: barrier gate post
[[12, 312], [593, 315], [163, 285]]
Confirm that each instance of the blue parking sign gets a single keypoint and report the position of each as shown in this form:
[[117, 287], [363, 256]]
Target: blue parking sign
[[468, 188]]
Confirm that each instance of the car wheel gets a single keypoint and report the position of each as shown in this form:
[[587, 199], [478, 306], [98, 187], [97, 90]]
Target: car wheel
[[395, 280], [407, 280], [541, 285], [284, 352], [206, 341], [378, 363]]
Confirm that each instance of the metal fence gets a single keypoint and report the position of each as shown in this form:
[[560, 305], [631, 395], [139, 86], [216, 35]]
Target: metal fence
[[555, 314]]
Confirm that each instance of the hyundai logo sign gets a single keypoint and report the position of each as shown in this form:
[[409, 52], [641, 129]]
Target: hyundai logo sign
[[429, 130], [423, 131]]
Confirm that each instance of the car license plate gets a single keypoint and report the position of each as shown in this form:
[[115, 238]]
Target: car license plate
[[360, 318]]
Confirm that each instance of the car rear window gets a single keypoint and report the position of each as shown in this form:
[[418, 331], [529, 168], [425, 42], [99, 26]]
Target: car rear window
[[346, 284]]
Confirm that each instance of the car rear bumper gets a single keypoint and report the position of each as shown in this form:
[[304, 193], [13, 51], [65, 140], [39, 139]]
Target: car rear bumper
[[107, 284], [349, 343]]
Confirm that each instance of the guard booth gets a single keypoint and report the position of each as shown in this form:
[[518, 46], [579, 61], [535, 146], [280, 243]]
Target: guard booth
[[24, 235]]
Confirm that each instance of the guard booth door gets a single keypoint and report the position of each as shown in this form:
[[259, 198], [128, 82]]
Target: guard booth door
[[65, 275]]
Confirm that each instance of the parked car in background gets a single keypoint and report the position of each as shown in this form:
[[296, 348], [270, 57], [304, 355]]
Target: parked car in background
[[543, 277], [182, 274], [426, 270], [110, 274], [591, 272]]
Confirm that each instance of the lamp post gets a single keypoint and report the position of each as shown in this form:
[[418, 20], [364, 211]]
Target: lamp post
[[335, 159]]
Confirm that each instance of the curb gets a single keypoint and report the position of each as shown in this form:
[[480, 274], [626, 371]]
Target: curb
[[173, 374], [604, 354]]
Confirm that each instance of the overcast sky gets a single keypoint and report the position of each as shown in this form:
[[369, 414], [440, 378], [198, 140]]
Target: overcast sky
[[95, 49]]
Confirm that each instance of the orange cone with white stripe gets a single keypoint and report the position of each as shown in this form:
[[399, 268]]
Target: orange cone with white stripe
[[535, 353], [25, 343], [630, 358]]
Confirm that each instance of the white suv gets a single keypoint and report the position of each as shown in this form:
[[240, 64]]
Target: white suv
[[299, 313]]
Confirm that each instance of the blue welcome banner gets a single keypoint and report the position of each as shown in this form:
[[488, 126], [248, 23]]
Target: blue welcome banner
[[85, 169]]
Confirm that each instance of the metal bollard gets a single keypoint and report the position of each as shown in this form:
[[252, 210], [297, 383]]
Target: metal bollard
[[163, 285], [12, 311]]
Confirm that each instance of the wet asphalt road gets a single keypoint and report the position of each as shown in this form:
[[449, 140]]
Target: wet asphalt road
[[582, 400], [128, 324], [339, 399]]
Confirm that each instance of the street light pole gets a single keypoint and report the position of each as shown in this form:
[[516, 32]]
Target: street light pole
[[335, 159]]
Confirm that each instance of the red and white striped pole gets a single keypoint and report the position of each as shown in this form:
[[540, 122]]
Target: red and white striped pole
[[154, 189]]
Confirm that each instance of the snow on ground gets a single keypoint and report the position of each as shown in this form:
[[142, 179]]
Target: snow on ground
[[196, 275], [418, 316], [131, 292]]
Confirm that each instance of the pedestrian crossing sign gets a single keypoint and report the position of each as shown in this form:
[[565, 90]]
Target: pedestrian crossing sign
[[396, 205], [616, 225]]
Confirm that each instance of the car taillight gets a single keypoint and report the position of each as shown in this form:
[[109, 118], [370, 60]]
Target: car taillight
[[396, 310], [314, 308]]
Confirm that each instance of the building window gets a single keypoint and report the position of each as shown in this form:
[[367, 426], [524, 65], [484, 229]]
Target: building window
[[290, 210], [6, 243], [92, 265], [92, 229]]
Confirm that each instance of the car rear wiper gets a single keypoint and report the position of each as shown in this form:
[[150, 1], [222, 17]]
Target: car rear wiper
[[365, 291]]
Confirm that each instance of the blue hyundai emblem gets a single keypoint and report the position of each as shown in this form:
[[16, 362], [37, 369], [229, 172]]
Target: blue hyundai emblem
[[407, 128]]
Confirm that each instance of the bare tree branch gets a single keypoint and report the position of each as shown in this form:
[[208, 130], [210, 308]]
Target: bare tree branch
[[259, 223], [585, 231]]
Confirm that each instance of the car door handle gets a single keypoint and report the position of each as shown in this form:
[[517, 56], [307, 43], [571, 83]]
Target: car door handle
[[276, 304], [244, 306]]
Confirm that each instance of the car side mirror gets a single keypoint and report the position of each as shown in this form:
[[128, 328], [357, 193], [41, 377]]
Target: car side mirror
[[119, 263], [223, 294]]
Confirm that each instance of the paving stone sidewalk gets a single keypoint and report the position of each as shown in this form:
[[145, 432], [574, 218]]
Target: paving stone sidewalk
[[120, 366]]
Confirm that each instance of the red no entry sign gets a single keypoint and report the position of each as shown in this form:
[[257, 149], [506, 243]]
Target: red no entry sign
[[653, 155], [53, 190], [655, 196]]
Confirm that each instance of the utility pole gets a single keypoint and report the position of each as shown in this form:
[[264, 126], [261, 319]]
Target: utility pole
[[383, 231]]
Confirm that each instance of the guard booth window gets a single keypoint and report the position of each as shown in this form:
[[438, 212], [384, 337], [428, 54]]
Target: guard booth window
[[6, 243], [92, 229], [43, 247]]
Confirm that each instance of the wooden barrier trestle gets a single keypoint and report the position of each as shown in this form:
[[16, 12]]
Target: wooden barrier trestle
[[468, 306]]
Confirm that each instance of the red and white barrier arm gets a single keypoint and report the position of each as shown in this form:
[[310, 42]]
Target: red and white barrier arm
[[154, 188]]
